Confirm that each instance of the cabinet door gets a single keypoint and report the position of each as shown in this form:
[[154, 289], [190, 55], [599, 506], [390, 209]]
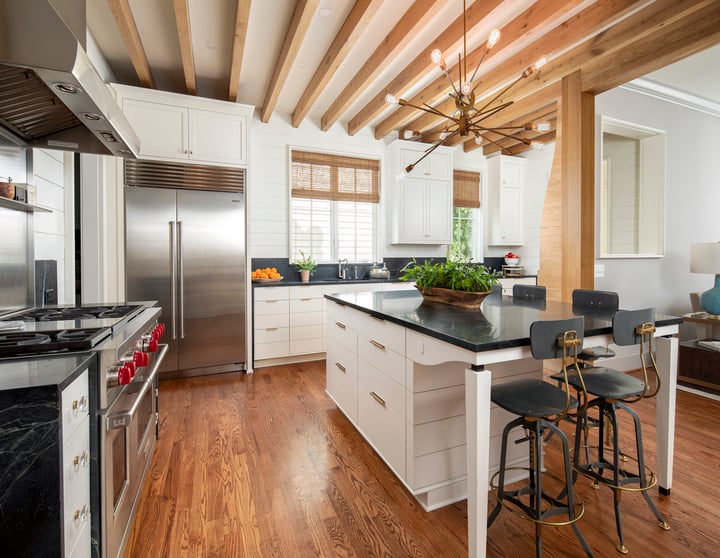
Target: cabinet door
[[436, 166], [439, 212], [216, 137], [510, 215], [412, 208], [162, 129]]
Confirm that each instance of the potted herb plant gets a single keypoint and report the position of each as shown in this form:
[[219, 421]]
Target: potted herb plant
[[306, 265], [457, 282]]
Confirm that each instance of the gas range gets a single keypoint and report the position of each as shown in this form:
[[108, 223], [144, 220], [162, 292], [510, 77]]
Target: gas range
[[28, 343]]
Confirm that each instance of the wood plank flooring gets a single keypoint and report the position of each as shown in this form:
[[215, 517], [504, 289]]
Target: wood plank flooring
[[264, 465]]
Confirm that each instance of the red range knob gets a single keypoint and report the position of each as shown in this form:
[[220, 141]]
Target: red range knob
[[152, 345], [140, 358], [132, 368], [124, 376], [161, 329]]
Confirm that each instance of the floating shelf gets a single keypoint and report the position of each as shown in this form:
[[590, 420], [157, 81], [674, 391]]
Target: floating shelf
[[22, 206]]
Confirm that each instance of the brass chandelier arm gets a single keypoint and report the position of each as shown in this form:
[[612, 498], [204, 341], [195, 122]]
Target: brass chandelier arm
[[430, 149]]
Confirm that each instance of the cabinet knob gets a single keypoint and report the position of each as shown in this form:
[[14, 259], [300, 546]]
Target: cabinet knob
[[80, 460], [81, 514]]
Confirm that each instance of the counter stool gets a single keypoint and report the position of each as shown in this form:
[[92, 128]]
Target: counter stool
[[590, 300], [540, 405], [612, 391], [529, 292]]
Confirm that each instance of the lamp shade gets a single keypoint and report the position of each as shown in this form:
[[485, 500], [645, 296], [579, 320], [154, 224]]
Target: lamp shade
[[705, 257]]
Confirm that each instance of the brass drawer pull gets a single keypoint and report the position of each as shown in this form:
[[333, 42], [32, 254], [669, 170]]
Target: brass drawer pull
[[306, 299], [377, 344], [271, 329], [340, 325], [340, 366], [377, 398]]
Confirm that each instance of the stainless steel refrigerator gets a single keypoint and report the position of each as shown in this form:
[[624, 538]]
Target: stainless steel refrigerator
[[186, 249]]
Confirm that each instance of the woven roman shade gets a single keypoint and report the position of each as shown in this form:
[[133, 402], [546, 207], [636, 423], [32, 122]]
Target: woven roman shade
[[466, 188], [335, 177]]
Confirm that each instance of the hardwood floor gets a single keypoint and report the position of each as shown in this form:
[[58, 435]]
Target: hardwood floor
[[264, 465]]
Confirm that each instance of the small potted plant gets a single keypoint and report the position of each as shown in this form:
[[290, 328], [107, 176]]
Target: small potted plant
[[460, 283], [306, 265]]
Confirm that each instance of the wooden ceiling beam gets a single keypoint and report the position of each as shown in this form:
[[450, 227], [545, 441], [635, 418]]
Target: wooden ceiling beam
[[541, 17], [449, 39], [296, 33], [418, 16], [131, 37], [692, 34], [581, 27], [182, 20], [357, 21], [242, 16]]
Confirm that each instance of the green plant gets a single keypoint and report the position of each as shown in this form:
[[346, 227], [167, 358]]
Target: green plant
[[306, 262], [458, 275]]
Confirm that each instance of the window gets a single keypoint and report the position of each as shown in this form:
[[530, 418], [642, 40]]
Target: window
[[466, 198], [632, 190], [333, 206]]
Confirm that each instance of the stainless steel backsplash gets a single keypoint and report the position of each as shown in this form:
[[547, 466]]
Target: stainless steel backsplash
[[16, 255]]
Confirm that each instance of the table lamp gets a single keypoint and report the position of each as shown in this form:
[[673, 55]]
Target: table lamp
[[705, 258]]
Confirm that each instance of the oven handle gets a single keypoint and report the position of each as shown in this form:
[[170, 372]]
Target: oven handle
[[124, 419]]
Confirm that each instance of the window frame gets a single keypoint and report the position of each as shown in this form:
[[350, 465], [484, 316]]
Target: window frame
[[334, 207], [476, 252]]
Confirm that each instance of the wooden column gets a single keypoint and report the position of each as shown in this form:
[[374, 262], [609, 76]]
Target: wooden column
[[567, 230]]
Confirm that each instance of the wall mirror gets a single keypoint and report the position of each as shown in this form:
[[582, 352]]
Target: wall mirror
[[632, 189]]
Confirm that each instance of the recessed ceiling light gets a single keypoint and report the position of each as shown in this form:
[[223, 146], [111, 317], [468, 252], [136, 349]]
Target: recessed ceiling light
[[326, 12]]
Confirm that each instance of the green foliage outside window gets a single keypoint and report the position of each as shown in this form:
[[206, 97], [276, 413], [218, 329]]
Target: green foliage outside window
[[462, 245]]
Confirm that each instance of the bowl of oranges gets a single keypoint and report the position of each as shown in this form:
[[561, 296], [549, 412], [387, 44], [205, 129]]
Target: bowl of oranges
[[265, 275]]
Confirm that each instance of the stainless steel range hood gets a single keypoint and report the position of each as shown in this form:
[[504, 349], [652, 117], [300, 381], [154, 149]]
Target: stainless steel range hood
[[51, 96]]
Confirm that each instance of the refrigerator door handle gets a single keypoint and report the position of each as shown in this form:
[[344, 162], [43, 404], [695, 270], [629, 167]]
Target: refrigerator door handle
[[181, 284], [173, 279]]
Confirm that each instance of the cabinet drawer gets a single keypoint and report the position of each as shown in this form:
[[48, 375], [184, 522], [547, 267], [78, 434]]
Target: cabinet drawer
[[437, 404], [382, 358], [265, 307], [389, 335], [76, 484], [343, 314], [272, 335], [307, 346], [302, 305], [271, 293], [310, 319], [272, 350], [337, 331], [389, 391], [383, 428], [306, 332], [341, 379], [75, 405], [264, 321], [306, 291]]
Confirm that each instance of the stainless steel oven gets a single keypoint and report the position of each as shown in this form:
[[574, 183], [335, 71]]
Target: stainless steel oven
[[127, 443]]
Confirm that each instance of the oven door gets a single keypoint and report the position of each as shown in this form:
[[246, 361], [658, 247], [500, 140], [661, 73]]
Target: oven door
[[128, 440]]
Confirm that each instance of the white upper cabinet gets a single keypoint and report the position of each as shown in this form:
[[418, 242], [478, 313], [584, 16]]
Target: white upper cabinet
[[174, 127], [504, 213], [421, 204]]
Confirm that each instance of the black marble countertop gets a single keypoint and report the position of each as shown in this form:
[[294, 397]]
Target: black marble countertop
[[501, 322], [41, 371], [290, 283]]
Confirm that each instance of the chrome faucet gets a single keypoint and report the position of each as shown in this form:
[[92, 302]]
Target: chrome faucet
[[341, 269]]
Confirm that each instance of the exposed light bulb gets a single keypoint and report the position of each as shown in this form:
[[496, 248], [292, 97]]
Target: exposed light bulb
[[437, 58], [401, 176], [391, 99], [538, 145], [443, 134], [466, 88], [539, 64], [407, 134], [478, 139], [493, 38], [543, 126]]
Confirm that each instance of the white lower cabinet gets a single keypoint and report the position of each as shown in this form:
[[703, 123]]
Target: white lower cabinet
[[412, 414]]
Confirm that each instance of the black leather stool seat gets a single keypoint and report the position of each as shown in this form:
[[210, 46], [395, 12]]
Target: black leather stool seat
[[606, 383], [531, 398]]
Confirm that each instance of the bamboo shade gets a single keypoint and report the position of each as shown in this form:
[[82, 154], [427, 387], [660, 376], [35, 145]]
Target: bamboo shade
[[466, 188], [335, 177]]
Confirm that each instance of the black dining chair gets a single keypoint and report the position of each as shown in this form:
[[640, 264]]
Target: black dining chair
[[589, 301], [613, 391], [539, 406], [529, 292]]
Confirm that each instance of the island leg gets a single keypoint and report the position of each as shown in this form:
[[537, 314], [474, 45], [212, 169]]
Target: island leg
[[666, 356], [477, 416]]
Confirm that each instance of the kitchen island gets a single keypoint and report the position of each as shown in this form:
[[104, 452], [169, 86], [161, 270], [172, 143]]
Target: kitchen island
[[415, 379]]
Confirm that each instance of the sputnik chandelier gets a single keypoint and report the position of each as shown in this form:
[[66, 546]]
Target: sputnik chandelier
[[467, 118]]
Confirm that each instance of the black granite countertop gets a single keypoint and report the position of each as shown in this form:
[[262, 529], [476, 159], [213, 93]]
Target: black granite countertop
[[41, 371], [290, 283], [501, 322]]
